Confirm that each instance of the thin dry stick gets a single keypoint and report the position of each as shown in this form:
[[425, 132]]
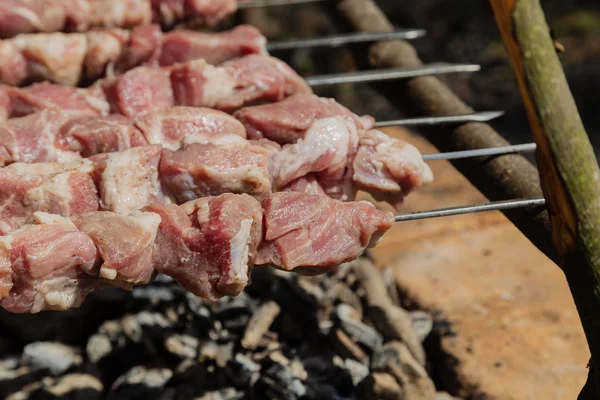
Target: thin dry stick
[[568, 167]]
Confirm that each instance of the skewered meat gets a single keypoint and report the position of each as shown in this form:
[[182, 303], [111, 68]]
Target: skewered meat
[[59, 188], [170, 126], [247, 80], [31, 16], [209, 169], [86, 136], [69, 58], [387, 168], [21, 139], [207, 246], [123, 187], [215, 48], [333, 159], [52, 135], [18, 102], [316, 232], [287, 120]]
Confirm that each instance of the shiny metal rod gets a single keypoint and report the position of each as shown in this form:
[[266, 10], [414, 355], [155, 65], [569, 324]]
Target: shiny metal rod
[[492, 151], [271, 3], [446, 212], [340, 40], [389, 74], [483, 116]]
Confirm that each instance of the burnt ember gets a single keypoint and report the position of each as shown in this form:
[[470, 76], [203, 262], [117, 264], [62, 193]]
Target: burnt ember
[[285, 337]]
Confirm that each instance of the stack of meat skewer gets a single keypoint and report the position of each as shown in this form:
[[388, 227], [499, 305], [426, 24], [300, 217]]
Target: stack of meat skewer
[[196, 168]]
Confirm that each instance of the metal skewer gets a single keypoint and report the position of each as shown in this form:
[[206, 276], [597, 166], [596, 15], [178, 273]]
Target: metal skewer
[[445, 212], [492, 151], [339, 40], [483, 116], [389, 74], [271, 3]]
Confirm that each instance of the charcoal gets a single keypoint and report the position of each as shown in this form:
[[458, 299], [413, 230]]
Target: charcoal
[[422, 323], [197, 307], [98, 347], [152, 319], [73, 387], [54, 357], [381, 386], [391, 321], [259, 324], [224, 354], [184, 346], [347, 347], [445, 396], [132, 327], [396, 359], [349, 320], [341, 293], [223, 394], [154, 294], [387, 275], [243, 371], [286, 337], [140, 382], [281, 384], [357, 370], [14, 376]]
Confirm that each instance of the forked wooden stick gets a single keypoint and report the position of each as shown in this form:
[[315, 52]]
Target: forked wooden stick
[[568, 167]]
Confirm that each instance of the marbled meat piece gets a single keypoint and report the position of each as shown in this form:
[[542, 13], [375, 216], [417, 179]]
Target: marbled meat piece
[[215, 48], [33, 16], [236, 83], [128, 180], [139, 90], [18, 102], [387, 168], [327, 149], [209, 169], [13, 64], [28, 16], [307, 184], [144, 47], [125, 244], [53, 263], [53, 57], [246, 80], [104, 47], [288, 120], [52, 266], [56, 135], [74, 58], [32, 138], [89, 136], [169, 126], [59, 188], [195, 12], [208, 245], [119, 13], [317, 233]]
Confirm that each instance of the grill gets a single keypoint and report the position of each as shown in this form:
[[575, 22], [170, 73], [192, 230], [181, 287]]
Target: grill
[[495, 167]]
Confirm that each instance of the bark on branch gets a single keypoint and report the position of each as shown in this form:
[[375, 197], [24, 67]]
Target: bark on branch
[[568, 167]]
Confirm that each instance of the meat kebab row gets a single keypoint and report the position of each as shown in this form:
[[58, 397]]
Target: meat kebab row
[[31, 16], [146, 172], [74, 58]]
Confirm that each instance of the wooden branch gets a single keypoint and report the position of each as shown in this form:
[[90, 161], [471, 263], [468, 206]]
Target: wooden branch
[[568, 167], [498, 178]]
